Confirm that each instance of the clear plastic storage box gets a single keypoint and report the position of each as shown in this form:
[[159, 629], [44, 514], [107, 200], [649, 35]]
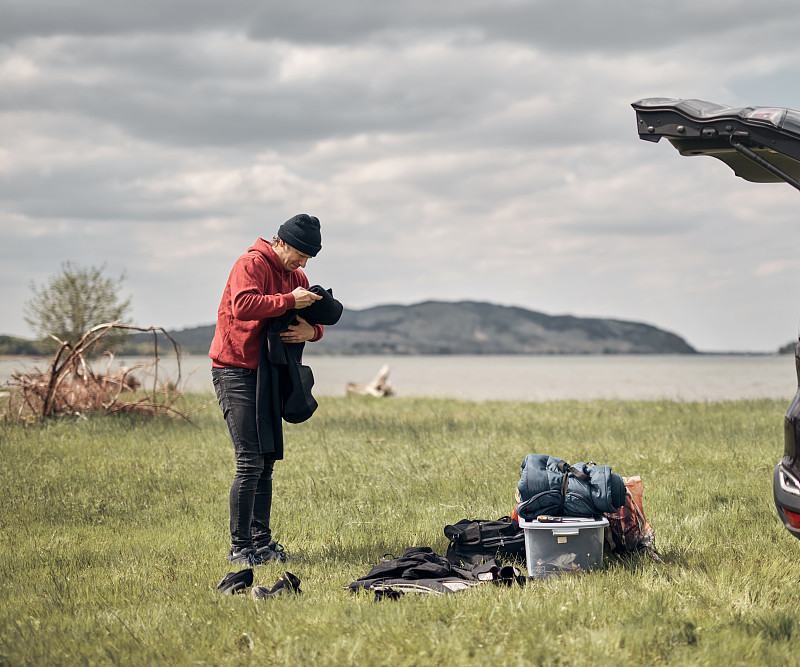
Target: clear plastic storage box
[[571, 544]]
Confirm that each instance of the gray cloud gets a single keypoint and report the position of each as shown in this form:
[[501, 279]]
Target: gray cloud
[[452, 150], [586, 25]]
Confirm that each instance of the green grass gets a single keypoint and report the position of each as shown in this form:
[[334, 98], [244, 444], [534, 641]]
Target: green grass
[[114, 536]]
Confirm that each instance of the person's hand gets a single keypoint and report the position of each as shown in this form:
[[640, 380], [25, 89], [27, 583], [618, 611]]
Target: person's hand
[[300, 332], [303, 298]]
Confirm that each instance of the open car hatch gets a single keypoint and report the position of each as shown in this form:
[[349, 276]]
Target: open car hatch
[[760, 144]]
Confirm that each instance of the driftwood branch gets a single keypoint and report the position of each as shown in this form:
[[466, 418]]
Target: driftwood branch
[[379, 386]]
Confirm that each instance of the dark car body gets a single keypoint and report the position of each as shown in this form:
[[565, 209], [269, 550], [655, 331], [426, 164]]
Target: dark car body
[[786, 478], [760, 144]]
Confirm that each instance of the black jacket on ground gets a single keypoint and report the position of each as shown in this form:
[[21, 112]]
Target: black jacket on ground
[[422, 564]]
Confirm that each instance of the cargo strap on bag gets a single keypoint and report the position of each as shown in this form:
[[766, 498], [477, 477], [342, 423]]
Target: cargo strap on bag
[[566, 469]]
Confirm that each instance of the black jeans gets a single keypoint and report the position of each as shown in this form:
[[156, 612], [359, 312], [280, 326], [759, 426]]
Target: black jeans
[[251, 492]]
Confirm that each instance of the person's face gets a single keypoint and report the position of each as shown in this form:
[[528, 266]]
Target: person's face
[[291, 259]]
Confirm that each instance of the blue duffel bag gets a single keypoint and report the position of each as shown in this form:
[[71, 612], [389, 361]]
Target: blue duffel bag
[[551, 486]]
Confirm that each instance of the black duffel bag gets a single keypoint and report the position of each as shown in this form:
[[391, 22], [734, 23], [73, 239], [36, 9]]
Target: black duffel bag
[[477, 541]]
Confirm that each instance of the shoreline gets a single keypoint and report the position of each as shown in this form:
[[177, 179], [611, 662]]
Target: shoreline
[[524, 378]]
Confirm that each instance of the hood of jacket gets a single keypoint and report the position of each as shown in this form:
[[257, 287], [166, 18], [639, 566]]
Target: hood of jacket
[[266, 249]]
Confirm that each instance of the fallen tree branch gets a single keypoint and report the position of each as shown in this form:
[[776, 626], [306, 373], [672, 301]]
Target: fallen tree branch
[[71, 386]]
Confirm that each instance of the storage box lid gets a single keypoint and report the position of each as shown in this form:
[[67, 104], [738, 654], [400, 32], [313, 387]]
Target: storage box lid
[[566, 522]]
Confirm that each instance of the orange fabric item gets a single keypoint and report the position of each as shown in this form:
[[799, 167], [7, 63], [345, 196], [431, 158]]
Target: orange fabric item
[[636, 489], [628, 529]]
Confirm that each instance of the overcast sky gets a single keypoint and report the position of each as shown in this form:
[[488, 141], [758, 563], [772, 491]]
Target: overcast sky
[[458, 149]]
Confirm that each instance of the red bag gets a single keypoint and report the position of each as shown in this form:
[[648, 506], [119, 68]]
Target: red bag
[[628, 530]]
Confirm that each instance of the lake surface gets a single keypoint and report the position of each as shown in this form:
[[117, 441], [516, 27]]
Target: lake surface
[[522, 378]]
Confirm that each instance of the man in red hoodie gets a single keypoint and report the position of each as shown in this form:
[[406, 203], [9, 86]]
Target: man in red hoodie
[[264, 283]]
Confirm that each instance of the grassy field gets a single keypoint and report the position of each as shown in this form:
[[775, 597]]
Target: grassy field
[[114, 536]]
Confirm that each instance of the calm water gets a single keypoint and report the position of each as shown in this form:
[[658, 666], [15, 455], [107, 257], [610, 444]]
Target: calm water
[[526, 378]]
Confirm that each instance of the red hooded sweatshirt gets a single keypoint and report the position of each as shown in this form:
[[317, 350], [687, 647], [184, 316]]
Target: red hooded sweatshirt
[[258, 288]]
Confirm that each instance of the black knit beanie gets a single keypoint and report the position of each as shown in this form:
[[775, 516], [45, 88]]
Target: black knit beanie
[[302, 233]]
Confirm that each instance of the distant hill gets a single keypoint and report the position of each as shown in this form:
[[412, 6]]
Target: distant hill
[[11, 345], [466, 327], [196, 340], [469, 327]]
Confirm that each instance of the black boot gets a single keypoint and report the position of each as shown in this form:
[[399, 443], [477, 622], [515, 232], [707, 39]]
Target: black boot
[[287, 583], [236, 582]]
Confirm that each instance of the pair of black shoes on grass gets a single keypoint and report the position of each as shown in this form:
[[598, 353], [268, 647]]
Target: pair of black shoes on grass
[[255, 556], [238, 582]]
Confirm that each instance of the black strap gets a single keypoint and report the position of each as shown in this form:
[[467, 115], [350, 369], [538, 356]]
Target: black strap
[[566, 469], [564, 484]]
